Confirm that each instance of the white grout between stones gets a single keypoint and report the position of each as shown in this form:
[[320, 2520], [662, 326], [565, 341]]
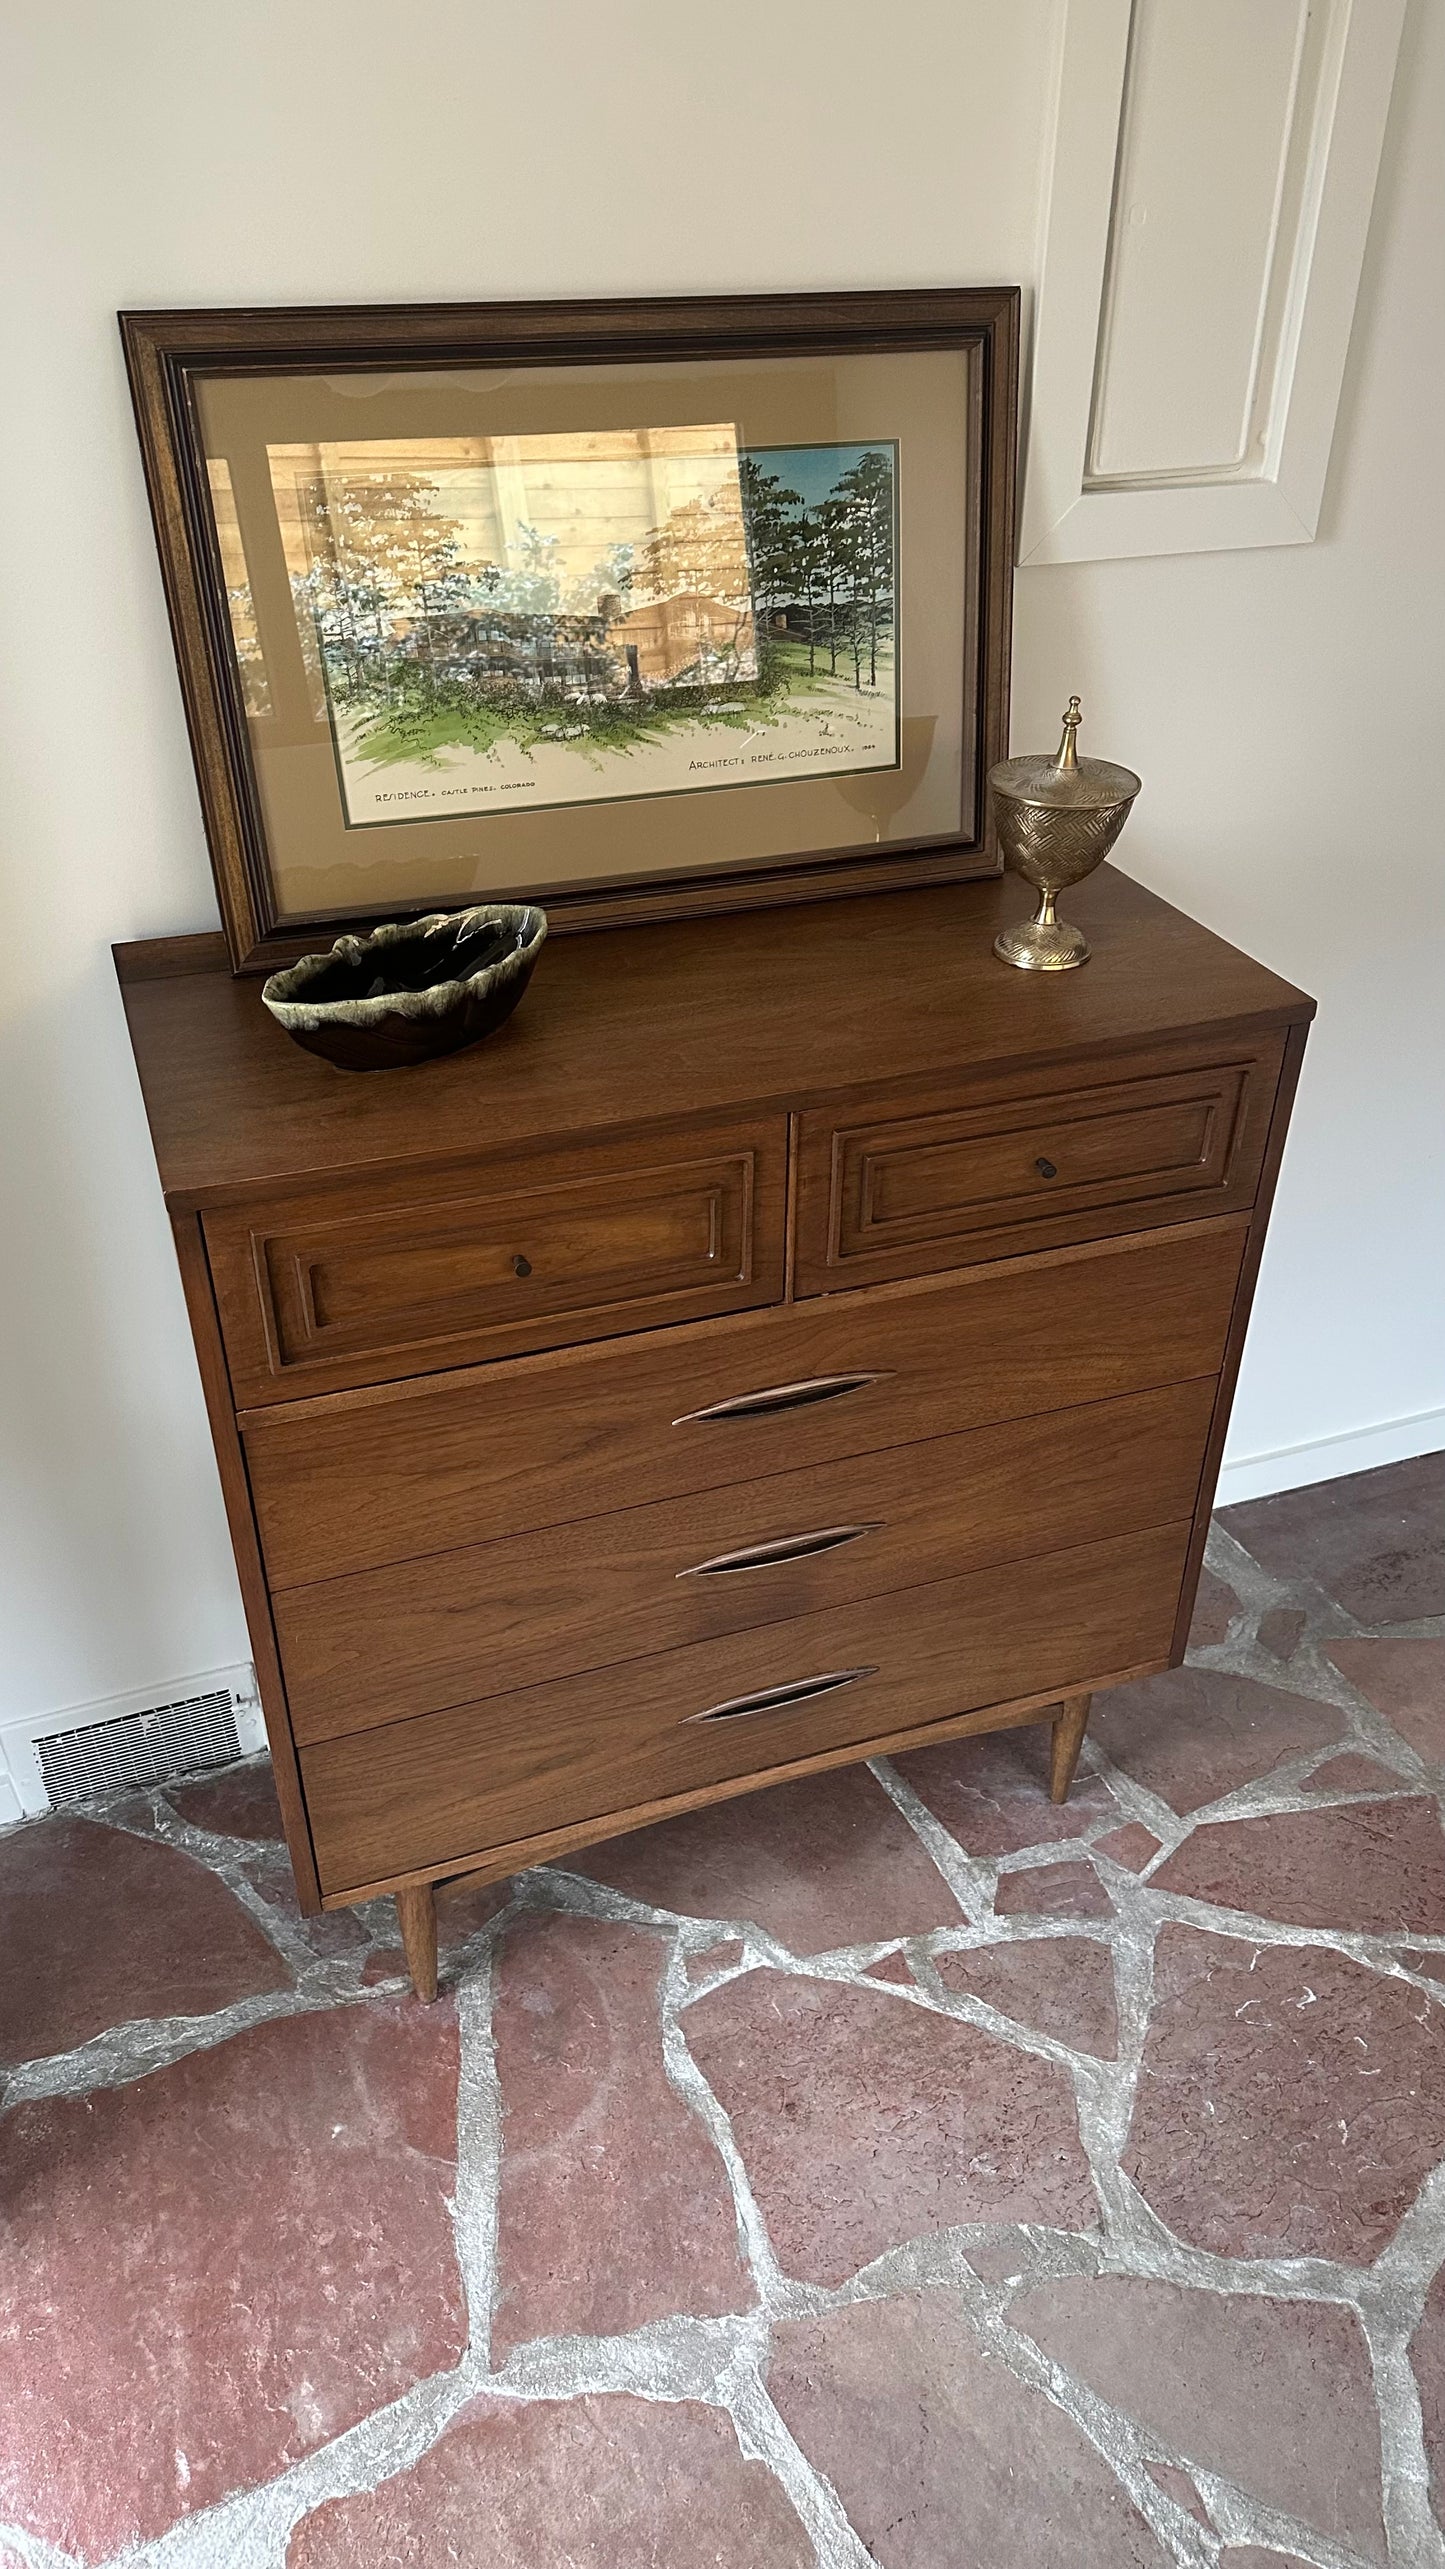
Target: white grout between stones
[[724, 2361]]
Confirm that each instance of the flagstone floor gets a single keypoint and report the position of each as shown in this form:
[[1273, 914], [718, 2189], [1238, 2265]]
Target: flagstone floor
[[889, 2168]]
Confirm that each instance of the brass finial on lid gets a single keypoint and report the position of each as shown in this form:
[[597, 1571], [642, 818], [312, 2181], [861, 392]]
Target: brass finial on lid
[[1068, 757]]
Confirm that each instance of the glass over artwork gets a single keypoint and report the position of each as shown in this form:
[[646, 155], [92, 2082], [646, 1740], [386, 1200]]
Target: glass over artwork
[[515, 631], [583, 617]]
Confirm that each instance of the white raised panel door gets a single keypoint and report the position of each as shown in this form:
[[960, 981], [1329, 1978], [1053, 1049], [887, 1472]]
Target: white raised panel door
[[1204, 156], [1211, 178]]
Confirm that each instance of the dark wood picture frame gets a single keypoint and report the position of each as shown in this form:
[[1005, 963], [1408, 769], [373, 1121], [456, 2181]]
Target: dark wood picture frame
[[168, 352]]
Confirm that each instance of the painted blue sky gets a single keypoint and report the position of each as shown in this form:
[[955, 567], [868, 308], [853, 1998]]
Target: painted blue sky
[[812, 471]]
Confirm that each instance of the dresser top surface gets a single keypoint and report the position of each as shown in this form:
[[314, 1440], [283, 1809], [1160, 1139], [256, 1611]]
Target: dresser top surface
[[633, 1026]]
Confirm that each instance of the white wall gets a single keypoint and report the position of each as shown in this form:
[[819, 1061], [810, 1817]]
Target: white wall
[[1286, 709], [1279, 705]]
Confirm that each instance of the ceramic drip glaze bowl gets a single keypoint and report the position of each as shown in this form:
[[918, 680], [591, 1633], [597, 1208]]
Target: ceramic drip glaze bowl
[[410, 991]]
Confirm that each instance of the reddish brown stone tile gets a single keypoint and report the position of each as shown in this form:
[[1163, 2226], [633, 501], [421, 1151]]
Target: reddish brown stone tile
[[615, 2207], [1354, 1774], [893, 1967], [718, 1957], [1374, 1541], [992, 1794], [239, 1802], [98, 1927], [592, 2483], [1215, 1608], [1275, 2395], [863, 2123], [1196, 1733], [938, 2452], [464, 1907], [223, 2265], [1371, 1867], [1178, 2486], [820, 1863], [1133, 1846], [1062, 1985], [995, 2260], [1404, 1680], [1287, 2104], [1279, 1630], [1427, 2354], [387, 1964], [1053, 1891], [1252, 2558]]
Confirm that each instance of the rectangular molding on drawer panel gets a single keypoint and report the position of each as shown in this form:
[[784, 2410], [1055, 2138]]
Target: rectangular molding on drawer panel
[[979, 1173], [460, 1626], [370, 1478], [371, 1280], [446, 1788]]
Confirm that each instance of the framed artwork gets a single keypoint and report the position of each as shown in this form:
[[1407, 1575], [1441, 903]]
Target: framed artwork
[[630, 608]]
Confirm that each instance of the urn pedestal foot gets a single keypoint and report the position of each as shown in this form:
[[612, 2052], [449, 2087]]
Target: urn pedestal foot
[[1043, 943]]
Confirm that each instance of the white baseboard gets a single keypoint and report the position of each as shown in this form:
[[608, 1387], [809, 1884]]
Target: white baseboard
[[21, 1784], [1328, 1458]]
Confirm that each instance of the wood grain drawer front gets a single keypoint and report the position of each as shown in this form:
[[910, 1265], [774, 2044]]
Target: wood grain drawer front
[[424, 1635], [450, 1786], [370, 1479], [984, 1177], [363, 1284]]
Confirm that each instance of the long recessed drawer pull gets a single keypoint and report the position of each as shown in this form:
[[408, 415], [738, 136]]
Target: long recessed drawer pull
[[784, 1547], [775, 1699], [781, 1396]]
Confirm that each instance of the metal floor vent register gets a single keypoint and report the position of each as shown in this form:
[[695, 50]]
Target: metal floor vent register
[[139, 1748]]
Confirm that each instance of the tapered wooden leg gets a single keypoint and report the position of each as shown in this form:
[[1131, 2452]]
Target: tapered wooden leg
[[416, 1911], [1070, 1723]]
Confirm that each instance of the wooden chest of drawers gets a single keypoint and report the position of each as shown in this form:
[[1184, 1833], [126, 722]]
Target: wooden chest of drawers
[[795, 1336]]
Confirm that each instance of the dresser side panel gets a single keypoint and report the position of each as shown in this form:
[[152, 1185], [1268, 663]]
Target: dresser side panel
[[255, 1598], [1284, 1098]]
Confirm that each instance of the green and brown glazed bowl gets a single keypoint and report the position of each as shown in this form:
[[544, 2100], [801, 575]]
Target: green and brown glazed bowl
[[412, 990]]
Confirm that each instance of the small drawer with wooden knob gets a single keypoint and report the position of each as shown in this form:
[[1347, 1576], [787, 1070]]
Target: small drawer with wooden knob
[[390, 1277], [986, 1171]]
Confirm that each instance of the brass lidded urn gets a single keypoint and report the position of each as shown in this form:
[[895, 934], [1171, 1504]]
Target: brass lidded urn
[[1057, 819]]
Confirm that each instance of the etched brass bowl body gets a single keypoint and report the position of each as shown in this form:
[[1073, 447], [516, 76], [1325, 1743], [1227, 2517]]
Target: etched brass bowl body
[[1057, 818]]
